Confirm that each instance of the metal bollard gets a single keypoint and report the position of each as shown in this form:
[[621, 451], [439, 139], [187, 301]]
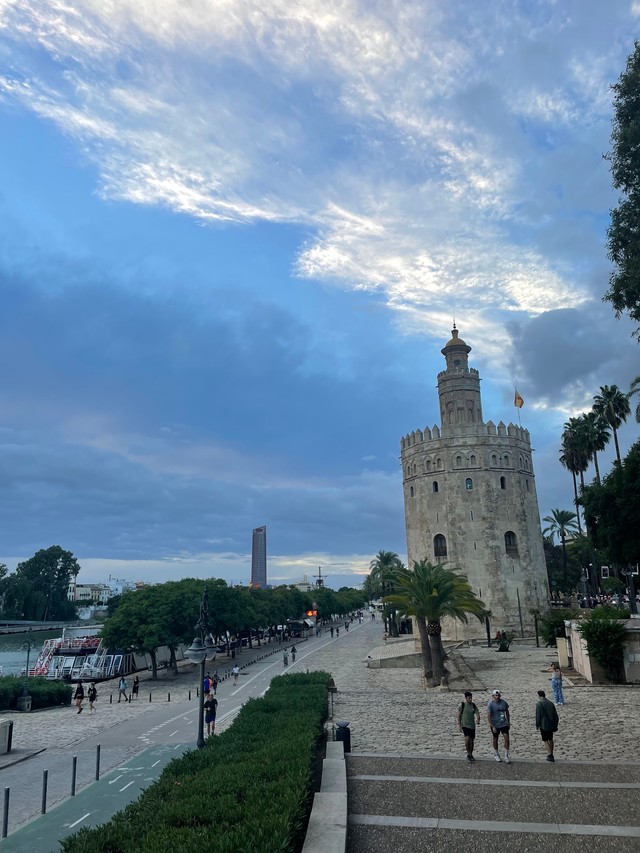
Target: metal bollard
[[74, 770], [97, 762], [189, 696], [343, 733], [111, 698], [149, 696], [168, 697], [5, 816], [45, 781]]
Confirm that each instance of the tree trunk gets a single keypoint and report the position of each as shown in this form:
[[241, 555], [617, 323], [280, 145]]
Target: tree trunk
[[615, 441], [154, 665], [564, 562], [434, 630], [597, 467], [173, 663], [393, 624], [575, 500], [425, 648]]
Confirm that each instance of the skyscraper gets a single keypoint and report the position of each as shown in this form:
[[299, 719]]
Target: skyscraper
[[259, 557]]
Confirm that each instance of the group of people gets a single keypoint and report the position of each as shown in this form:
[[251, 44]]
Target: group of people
[[92, 693], [210, 684], [499, 721]]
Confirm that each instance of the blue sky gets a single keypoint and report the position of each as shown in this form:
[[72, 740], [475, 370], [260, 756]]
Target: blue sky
[[233, 238]]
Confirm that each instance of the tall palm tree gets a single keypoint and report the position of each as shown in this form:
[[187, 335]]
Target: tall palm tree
[[635, 388], [383, 569], [612, 405], [560, 522], [431, 592], [595, 435], [567, 462]]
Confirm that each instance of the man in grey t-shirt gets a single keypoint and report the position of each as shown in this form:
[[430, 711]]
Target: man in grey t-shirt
[[499, 723]]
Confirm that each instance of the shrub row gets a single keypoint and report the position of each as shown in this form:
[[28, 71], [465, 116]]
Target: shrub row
[[44, 692], [248, 791]]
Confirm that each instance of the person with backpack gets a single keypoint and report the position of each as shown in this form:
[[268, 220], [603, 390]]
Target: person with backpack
[[468, 718]]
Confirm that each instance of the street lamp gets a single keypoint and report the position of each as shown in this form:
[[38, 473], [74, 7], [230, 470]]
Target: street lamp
[[201, 649], [29, 644], [584, 581], [633, 606]]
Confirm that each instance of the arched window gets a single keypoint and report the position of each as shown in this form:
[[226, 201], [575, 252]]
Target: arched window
[[408, 470], [414, 468], [505, 461], [428, 465], [503, 482], [468, 484], [458, 461], [494, 459], [527, 484], [439, 463], [411, 492], [472, 460], [434, 486], [511, 544], [439, 546]]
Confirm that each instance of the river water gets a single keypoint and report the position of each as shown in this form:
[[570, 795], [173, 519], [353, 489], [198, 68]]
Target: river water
[[13, 649]]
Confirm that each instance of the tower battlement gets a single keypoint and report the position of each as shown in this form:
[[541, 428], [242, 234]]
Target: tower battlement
[[427, 436]]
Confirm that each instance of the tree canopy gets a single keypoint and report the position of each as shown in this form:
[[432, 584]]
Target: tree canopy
[[39, 587]]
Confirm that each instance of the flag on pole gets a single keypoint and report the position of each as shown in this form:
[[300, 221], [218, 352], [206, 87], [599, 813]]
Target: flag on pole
[[518, 402]]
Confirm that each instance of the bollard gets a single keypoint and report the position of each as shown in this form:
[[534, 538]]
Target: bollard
[[149, 696], [111, 698], [74, 770], [197, 692], [189, 696], [343, 734], [5, 816], [45, 781], [98, 763], [168, 697]]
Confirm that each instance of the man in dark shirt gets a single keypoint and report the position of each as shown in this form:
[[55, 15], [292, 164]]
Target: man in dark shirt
[[546, 722], [210, 709]]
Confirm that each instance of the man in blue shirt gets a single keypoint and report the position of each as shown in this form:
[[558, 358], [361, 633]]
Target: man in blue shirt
[[499, 723]]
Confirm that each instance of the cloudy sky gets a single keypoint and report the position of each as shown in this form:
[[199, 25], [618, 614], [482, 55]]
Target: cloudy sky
[[233, 239]]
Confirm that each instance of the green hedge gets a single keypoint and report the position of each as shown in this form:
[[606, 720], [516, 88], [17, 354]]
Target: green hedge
[[248, 791], [44, 692]]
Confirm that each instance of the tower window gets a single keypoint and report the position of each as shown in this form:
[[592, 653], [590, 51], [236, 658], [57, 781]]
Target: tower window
[[511, 544], [527, 484], [458, 461], [494, 459], [411, 492], [505, 461], [472, 460], [469, 484], [439, 463], [434, 486], [439, 546], [503, 482], [428, 465]]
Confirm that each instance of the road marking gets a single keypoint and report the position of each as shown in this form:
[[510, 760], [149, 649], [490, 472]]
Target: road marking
[[177, 746], [128, 785], [494, 825], [116, 779], [157, 762], [174, 733], [80, 819], [552, 783]]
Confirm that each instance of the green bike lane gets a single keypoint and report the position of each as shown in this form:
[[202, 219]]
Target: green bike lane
[[95, 804]]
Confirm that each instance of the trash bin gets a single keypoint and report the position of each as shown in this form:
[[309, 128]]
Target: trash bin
[[343, 733], [24, 703], [6, 734]]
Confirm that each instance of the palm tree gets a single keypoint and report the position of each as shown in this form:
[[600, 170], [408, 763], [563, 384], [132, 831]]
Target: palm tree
[[560, 522], [612, 405], [595, 436], [431, 592], [635, 388], [574, 457], [383, 569]]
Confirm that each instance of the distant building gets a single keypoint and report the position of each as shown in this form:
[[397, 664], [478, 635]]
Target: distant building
[[470, 500], [259, 557], [303, 585], [89, 593]]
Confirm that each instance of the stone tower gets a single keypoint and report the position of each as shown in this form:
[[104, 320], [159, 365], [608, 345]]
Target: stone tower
[[470, 500]]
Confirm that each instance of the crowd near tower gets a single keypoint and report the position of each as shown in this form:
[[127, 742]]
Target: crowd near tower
[[470, 501], [259, 557]]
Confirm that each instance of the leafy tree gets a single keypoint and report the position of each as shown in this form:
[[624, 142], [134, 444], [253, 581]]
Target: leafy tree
[[612, 405], [595, 437], [604, 634], [635, 389], [431, 592], [39, 586], [561, 522], [552, 625], [622, 235]]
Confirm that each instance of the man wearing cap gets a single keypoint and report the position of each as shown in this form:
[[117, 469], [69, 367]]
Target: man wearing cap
[[498, 719]]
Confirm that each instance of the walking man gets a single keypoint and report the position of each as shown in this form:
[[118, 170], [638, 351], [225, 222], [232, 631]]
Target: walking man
[[78, 696], [210, 709], [468, 717], [236, 673], [122, 689], [499, 723], [546, 722], [93, 695]]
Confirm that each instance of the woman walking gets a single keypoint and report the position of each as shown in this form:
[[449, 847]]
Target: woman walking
[[556, 683]]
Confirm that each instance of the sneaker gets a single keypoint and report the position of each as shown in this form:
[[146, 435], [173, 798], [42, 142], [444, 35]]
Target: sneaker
[[471, 758], [497, 757], [550, 758], [507, 760]]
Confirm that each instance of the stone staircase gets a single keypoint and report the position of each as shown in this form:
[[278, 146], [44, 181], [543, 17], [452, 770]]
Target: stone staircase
[[407, 804]]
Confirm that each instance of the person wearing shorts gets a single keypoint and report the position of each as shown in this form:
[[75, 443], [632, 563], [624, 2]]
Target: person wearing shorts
[[499, 723], [546, 722], [210, 709], [468, 717]]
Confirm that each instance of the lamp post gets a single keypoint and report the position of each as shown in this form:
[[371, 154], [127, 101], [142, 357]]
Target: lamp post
[[633, 606], [584, 582], [201, 649], [29, 644]]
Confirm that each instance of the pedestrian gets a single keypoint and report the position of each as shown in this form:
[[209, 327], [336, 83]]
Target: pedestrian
[[210, 709], [214, 682], [78, 696], [136, 687], [337, 632], [546, 722], [556, 682], [206, 685], [499, 723], [236, 673], [122, 689], [294, 652], [285, 657], [468, 718], [331, 629], [92, 694], [385, 637]]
